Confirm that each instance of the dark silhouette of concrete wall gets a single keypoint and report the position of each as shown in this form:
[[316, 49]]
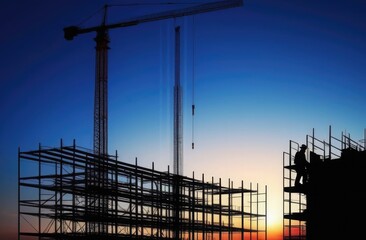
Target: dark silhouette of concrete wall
[[335, 196]]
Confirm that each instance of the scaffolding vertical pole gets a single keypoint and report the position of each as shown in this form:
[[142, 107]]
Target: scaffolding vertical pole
[[142, 204], [190, 210], [39, 193], [56, 193], [313, 138], [73, 227], [177, 208], [18, 193], [61, 187], [330, 142], [116, 195], [229, 209], [233, 209], [136, 201], [194, 206], [266, 213], [257, 211], [212, 208], [86, 185], [242, 209], [152, 200], [203, 207], [283, 192], [251, 211], [290, 195], [220, 210], [130, 203], [185, 209], [160, 211], [169, 204]]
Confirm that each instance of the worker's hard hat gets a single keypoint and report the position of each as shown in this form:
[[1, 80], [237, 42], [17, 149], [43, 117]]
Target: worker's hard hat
[[304, 146]]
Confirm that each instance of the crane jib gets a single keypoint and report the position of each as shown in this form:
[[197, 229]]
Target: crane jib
[[72, 31]]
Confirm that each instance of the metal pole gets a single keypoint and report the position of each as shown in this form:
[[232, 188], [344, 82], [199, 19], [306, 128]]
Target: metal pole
[[39, 192], [266, 212], [73, 189], [242, 210], [212, 208], [283, 192], [56, 193], [313, 144], [229, 216], [116, 195], [220, 210], [136, 201], [18, 193], [194, 206], [61, 187], [257, 210], [330, 142], [203, 209], [251, 212], [152, 200], [142, 204]]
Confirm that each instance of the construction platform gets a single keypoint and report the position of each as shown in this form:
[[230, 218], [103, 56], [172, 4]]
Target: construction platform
[[68, 192], [330, 203]]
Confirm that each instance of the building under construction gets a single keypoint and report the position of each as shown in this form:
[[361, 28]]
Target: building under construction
[[68, 192], [330, 205]]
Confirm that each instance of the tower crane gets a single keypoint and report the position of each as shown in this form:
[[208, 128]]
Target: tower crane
[[97, 175], [100, 140]]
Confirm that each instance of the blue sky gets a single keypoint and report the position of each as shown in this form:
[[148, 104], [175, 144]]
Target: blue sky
[[265, 73]]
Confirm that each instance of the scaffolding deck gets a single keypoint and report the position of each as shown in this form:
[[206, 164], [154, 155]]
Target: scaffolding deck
[[69, 192]]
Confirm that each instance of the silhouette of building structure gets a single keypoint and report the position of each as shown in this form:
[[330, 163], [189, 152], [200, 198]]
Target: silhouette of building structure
[[56, 190], [331, 204]]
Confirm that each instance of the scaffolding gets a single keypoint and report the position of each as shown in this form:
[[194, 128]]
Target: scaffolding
[[58, 199], [298, 215]]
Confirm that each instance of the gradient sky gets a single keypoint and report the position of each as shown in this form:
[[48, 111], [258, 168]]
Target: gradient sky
[[265, 73]]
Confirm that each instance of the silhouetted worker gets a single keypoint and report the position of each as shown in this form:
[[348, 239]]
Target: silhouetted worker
[[301, 166]]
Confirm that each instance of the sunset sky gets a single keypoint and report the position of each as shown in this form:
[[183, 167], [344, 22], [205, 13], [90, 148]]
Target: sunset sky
[[259, 76]]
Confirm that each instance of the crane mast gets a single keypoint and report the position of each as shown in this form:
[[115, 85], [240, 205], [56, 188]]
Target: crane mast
[[97, 174], [102, 40], [178, 113], [101, 94]]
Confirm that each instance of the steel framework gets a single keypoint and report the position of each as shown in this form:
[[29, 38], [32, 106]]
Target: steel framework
[[55, 198]]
